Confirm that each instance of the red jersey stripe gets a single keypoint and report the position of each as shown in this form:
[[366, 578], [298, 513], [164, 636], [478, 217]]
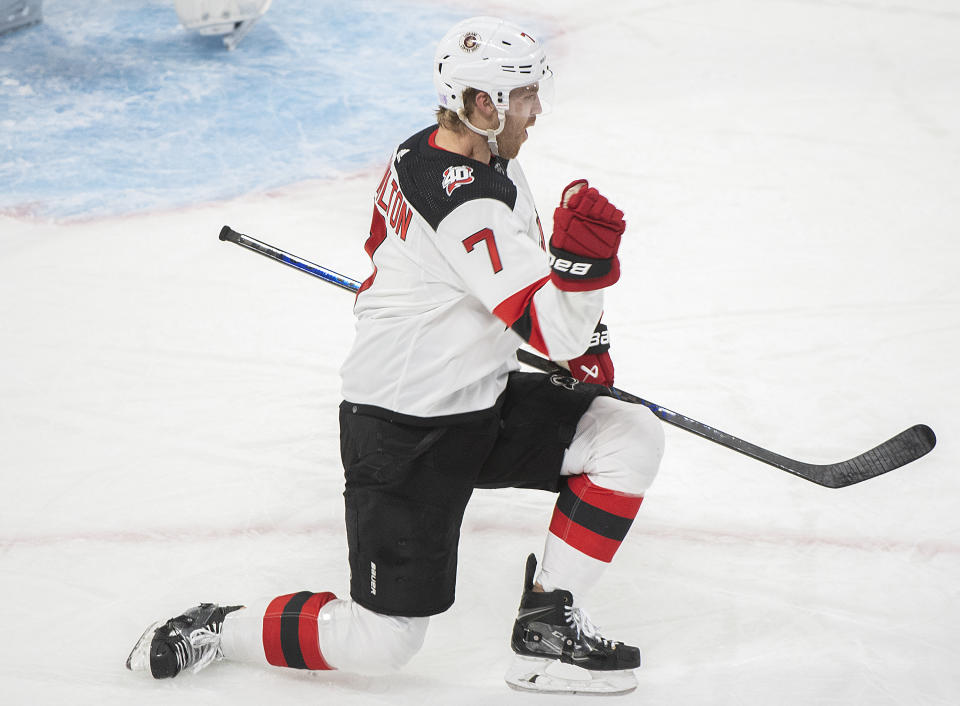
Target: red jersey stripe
[[512, 308], [518, 305], [378, 233]]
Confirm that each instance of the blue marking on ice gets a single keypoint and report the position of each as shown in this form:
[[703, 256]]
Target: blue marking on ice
[[113, 107]]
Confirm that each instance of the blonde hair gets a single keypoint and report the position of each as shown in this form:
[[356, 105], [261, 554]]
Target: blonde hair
[[448, 119]]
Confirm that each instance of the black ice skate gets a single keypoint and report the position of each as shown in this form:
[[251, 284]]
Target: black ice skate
[[550, 633], [189, 640]]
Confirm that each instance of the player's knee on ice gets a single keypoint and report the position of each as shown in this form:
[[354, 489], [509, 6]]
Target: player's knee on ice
[[355, 639], [618, 444]]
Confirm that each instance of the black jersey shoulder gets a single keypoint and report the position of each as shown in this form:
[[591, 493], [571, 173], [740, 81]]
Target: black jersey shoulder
[[435, 181]]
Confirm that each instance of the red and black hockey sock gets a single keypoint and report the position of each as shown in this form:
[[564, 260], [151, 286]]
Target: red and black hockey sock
[[291, 633], [592, 519]]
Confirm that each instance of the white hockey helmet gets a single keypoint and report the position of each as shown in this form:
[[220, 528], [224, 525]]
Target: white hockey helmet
[[493, 56]]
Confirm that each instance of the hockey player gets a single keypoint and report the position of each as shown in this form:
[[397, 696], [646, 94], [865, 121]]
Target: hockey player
[[435, 405]]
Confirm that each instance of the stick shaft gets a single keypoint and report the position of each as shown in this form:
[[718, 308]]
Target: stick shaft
[[298, 263], [907, 446]]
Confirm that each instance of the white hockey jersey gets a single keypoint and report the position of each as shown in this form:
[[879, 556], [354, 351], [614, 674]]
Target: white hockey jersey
[[461, 278]]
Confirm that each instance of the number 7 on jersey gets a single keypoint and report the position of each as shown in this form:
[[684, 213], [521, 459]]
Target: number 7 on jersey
[[485, 235]]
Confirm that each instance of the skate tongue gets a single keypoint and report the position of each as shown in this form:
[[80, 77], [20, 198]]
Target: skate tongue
[[530, 570]]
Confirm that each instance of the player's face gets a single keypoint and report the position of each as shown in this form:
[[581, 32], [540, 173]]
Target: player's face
[[522, 114]]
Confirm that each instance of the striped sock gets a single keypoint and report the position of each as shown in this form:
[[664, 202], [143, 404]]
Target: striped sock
[[591, 519], [291, 633]]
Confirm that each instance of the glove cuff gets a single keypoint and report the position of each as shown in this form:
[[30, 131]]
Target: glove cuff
[[571, 272]]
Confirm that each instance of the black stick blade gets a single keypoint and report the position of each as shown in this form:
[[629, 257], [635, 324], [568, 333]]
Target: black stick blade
[[904, 448]]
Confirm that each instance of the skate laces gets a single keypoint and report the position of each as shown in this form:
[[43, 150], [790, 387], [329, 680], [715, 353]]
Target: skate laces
[[205, 644], [577, 618]]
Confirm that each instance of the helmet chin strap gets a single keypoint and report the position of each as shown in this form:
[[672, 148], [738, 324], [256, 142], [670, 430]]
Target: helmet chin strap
[[490, 134]]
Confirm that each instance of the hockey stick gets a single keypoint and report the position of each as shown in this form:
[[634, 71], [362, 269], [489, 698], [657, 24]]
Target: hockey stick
[[907, 446]]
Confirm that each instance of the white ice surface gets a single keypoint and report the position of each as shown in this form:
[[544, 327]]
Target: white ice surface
[[790, 171]]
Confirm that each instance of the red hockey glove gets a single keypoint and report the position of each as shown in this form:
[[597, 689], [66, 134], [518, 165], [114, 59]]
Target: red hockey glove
[[595, 364], [586, 237]]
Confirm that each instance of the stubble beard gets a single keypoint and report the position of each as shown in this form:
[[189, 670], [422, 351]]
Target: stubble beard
[[510, 140]]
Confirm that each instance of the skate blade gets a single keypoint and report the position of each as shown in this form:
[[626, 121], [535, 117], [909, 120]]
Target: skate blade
[[550, 676], [139, 658]]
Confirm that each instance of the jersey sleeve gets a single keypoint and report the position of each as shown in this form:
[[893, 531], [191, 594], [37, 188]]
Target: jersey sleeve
[[488, 247]]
